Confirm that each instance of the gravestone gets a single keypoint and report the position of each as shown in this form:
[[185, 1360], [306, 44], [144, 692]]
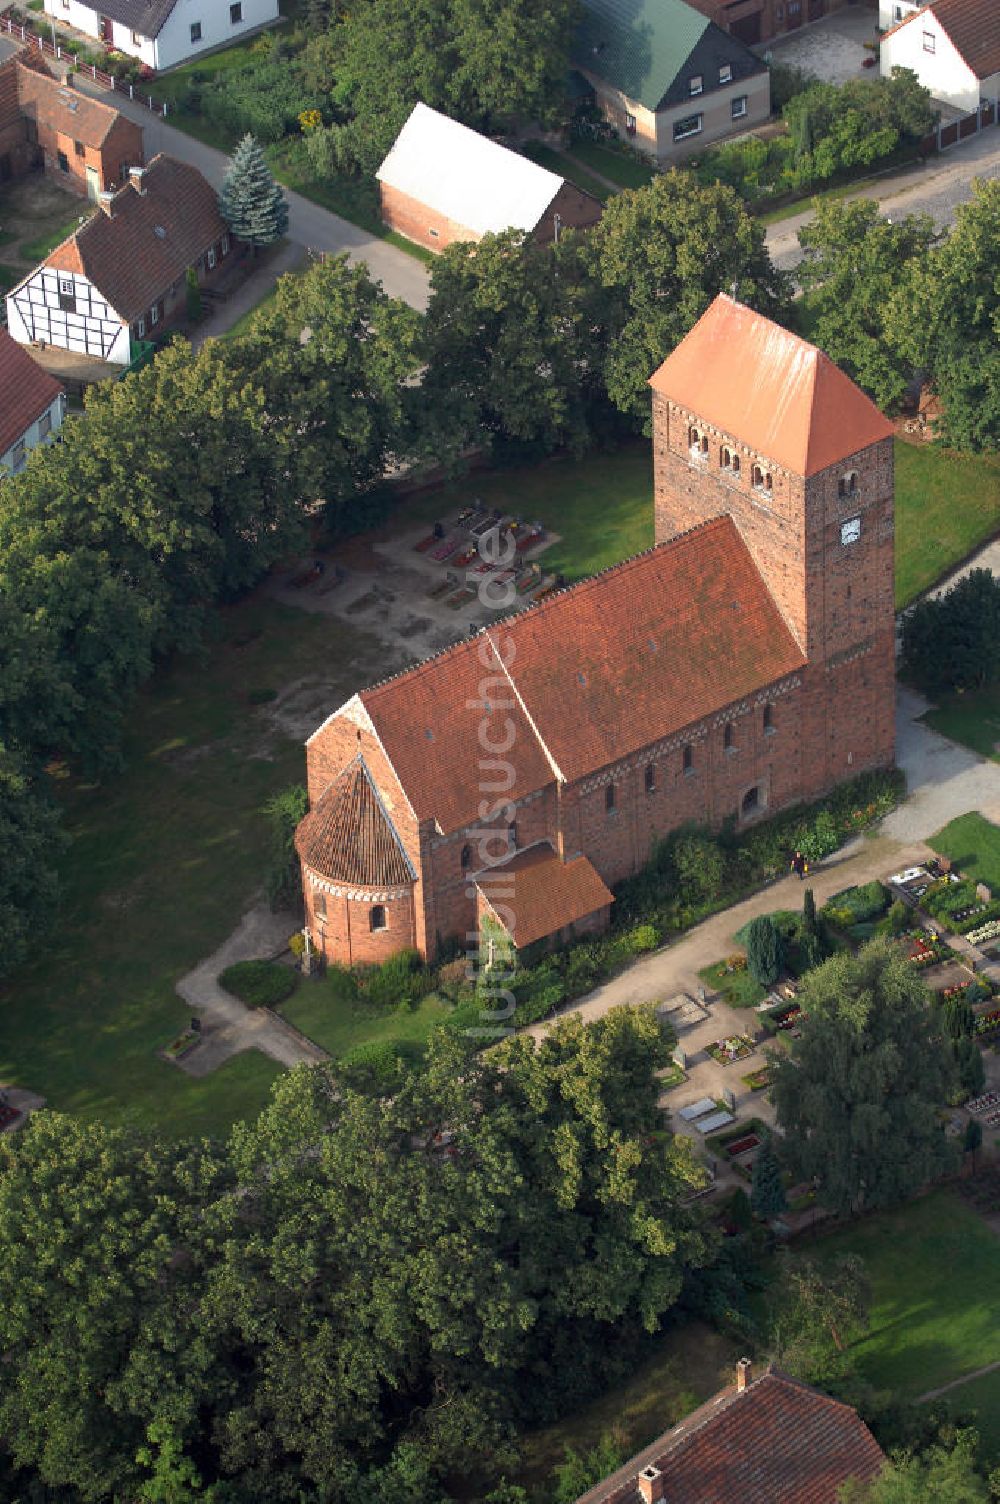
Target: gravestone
[[679, 1058], [729, 1098]]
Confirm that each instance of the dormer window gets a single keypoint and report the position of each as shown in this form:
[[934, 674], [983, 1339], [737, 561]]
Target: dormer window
[[761, 480]]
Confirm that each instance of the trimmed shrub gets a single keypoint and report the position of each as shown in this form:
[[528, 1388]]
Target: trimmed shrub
[[401, 980], [259, 984]]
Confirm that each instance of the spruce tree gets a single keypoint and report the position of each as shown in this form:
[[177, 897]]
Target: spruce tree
[[810, 938], [251, 202], [767, 1194]]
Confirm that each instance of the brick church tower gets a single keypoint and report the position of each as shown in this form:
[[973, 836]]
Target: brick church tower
[[750, 421]]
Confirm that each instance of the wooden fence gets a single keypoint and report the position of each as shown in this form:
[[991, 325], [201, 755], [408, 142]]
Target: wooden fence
[[954, 132]]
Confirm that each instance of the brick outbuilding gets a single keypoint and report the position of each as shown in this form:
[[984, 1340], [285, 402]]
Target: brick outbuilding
[[84, 144], [443, 182], [744, 664]]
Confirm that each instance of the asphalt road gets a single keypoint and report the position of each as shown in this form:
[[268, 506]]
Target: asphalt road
[[935, 189]]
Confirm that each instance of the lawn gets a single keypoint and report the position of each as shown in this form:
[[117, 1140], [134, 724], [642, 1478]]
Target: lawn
[[164, 859], [320, 1011], [37, 250], [936, 1310], [947, 504], [566, 167], [973, 844], [972, 718], [684, 1367], [738, 988], [627, 169], [601, 507], [981, 1396]]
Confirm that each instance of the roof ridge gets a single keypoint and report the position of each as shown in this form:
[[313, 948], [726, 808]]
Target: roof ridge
[[550, 600]]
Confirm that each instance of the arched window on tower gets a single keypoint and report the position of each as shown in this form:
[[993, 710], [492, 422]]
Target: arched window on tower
[[319, 905], [376, 917], [848, 484], [761, 480]]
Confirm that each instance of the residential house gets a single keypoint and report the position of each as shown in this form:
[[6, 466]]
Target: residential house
[[667, 78], [122, 276], [754, 21], [744, 664], [163, 33], [891, 12], [953, 46], [443, 182], [31, 405], [769, 1440], [84, 144]]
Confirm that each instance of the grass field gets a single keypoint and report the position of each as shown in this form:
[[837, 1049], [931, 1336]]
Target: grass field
[[164, 859], [936, 1311], [321, 1013], [973, 844], [981, 1396], [566, 167], [946, 505], [626, 169]]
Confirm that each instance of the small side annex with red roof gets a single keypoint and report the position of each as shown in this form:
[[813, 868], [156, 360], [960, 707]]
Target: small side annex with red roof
[[742, 665]]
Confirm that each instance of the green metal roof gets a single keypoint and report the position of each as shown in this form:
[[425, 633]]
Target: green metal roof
[[638, 46]]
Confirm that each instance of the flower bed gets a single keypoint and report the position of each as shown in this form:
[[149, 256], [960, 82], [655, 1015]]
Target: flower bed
[[742, 1145], [758, 1080], [988, 1024], [727, 1051], [983, 932]]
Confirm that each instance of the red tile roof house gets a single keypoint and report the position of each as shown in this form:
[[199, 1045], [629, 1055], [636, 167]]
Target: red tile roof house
[[32, 405], [84, 145], [953, 46], [122, 276], [743, 664], [443, 182], [771, 1440]]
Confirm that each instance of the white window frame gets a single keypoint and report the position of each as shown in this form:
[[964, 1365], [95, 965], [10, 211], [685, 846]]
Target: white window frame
[[739, 107], [630, 123], [694, 130], [930, 42], [696, 85], [211, 258], [140, 328], [154, 315], [44, 426], [136, 39], [225, 245], [726, 73]]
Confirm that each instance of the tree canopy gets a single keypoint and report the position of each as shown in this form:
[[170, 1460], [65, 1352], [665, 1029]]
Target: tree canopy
[[858, 1097], [952, 641], [251, 202]]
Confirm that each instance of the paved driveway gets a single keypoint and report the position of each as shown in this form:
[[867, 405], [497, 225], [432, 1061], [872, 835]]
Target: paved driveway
[[833, 49]]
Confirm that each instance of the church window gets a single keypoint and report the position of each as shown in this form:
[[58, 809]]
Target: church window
[[650, 778], [761, 479], [768, 719], [751, 801], [688, 759], [466, 857], [609, 798], [729, 461], [728, 740], [319, 905], [376, 918], [848, 484]]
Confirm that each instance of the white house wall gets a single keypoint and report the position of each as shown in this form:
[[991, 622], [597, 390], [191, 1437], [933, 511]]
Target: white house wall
[[33, 436], [92, 327], [173, 45], [944, 71]]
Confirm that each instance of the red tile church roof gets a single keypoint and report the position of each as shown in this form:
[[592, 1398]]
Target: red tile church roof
[[781, 396], [594, 674], [348, 837], [776, 1440], [541, 893]]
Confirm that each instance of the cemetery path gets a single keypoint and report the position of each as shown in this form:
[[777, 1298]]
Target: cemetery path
[[977, 1373]]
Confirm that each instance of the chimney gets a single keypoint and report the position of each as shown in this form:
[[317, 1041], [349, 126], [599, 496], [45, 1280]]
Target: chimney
[[651, 1485], [744, 1374], [106, 200], [135, 177]]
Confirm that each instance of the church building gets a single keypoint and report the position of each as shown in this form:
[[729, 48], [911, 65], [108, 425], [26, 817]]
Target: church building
[[743, 664]]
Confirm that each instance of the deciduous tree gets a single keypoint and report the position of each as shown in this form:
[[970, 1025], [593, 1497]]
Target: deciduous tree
[[858, 1097], [29, 843]]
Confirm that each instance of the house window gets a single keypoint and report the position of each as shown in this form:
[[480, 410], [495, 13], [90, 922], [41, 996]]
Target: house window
[[739, 107], [63, 161], [435, 234], [687, 762], [65, 4], [761, 480], [140, 328], [44, 426], [154, 314], [650, 778], [466, 858], [136, 39], [17, 456], [930, 42], [848, 484], [79, 148], [211, 258], [67, 302], [609, 798], [689, 126], [235, 14], [630, 123], [768, 720], [726, 73], [196, 31], [225, 245], [319, 905], [376, 918], [696, 85], [727, 738]]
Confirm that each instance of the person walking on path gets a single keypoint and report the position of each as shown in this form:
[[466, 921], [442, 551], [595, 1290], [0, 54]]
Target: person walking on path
[[799, 866]]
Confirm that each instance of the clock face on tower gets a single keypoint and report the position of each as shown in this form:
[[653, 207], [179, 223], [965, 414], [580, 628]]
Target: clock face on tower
[[850, 531]]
